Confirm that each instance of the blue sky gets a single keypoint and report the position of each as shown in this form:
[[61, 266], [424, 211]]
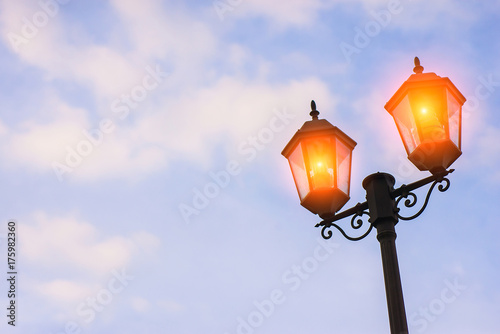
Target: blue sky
[[116, 115]]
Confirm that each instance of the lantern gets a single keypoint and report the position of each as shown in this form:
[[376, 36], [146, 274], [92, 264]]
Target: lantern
[[427, 110], [320, 157]]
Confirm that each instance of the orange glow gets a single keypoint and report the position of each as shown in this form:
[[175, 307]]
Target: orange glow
[[321, 175], [321, 163], [430, 126], [428, 106]]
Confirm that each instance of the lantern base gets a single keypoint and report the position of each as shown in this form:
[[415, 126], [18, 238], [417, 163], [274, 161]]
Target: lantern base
[[435, 156], [325, 201]]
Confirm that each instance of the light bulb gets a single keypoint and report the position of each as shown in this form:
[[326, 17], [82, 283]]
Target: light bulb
[[431, 127]]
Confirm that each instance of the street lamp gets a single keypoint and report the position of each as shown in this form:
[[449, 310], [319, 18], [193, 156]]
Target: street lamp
[[427, 110], [320, 160]]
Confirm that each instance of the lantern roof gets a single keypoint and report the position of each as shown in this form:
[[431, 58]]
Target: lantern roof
[[314, 128], [422, 80]]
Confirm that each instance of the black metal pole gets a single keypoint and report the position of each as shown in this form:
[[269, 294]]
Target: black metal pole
[[383, 216]]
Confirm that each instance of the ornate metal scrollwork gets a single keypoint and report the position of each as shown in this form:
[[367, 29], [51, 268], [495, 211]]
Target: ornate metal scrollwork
[[412, 200], [404, 192], [356, 223]]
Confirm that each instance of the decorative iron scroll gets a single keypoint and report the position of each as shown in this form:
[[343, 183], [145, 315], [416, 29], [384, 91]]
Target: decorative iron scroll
[[356, 223], [404, 192], [411, 199]]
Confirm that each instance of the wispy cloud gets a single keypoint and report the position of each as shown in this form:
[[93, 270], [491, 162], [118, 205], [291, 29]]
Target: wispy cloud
[[76, 244]]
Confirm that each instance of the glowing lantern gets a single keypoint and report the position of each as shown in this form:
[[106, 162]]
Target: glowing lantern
[[320, 159], [427, 110]]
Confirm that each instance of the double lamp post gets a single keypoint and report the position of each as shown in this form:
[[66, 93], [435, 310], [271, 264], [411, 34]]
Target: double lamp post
[[427, 110]]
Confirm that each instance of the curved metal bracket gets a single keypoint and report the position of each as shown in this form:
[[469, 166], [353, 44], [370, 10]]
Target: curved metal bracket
[[405, 191], [412, 200], [355, 225]]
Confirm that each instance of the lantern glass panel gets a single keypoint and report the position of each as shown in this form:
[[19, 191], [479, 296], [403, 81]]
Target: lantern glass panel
[[406, 125], [298, 168], [343, 166], [454, 116], [320, 162], [428, 108]]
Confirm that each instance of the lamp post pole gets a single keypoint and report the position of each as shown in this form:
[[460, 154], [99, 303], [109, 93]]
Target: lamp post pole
[[383, 216], [382, 206]]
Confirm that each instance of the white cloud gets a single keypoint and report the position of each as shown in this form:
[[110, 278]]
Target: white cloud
[[35, 144], [65, 247], [189, 125], [157, 31], [147, 242], [140, 304], [66, 242], [119, 156], [64, 291], [231, 108], [104, 69], [228, 111]]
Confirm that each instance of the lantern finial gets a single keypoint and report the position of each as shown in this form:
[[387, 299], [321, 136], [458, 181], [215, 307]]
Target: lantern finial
[[418, 69], [314, 113]]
